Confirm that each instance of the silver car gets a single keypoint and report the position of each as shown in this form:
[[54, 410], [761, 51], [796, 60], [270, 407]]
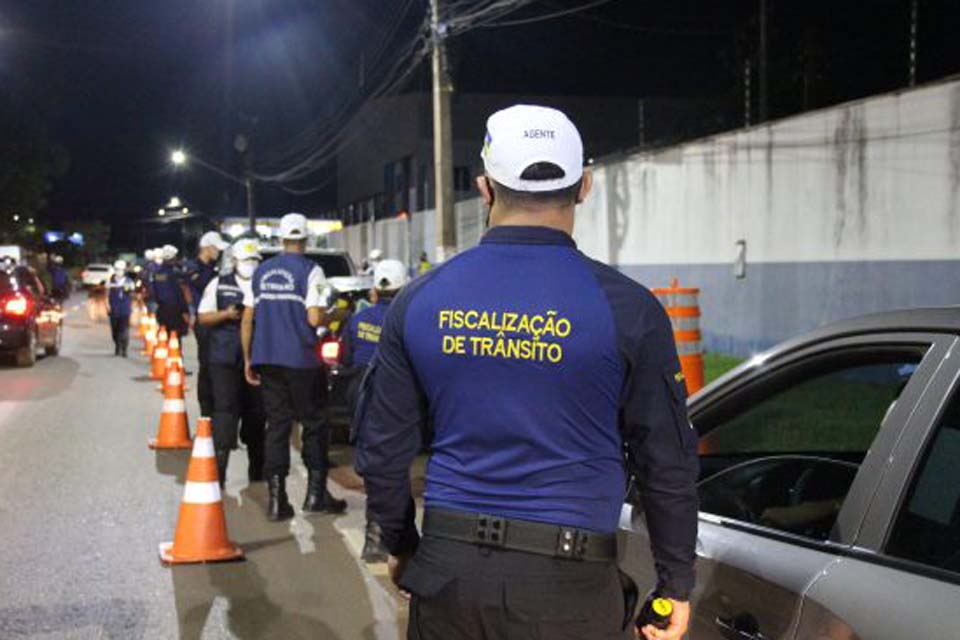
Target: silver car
[[830, 487]]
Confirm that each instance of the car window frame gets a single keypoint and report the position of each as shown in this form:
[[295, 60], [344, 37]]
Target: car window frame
[[913, 446], [855, 506]]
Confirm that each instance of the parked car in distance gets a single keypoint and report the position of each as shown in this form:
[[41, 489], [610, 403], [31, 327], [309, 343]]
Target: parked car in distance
[[829, 487], [30, 319], [96, 274]]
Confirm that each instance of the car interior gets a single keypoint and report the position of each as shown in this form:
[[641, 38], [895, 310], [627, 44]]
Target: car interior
[[783, 451]]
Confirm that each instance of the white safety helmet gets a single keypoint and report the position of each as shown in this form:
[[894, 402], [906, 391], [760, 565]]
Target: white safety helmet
[[213, 239], [157, 255], [169, 252], [245, 249], [120, 266], [389, 275], [375, 255]]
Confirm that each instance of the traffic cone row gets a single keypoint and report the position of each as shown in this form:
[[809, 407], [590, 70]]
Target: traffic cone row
[[201, 534]]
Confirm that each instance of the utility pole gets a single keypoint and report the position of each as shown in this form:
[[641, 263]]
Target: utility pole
[[746, 92], [762, 106], [242, 144], [913, 42], [442, 140]]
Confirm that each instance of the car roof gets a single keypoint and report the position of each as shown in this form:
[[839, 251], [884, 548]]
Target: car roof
[[95, 265]]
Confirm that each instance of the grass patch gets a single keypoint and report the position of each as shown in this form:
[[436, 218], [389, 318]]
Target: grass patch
[[717, 364]]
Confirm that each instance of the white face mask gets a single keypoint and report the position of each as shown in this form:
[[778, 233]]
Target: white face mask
[[246, 268]]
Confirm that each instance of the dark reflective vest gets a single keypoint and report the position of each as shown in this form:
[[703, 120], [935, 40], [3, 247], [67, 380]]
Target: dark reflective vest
[[120, 293], [225, 345], [166, 287], [199, 275], [364, 329], [281, 334]]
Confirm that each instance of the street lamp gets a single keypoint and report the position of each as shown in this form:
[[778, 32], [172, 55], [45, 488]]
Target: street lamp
[[179, 158]]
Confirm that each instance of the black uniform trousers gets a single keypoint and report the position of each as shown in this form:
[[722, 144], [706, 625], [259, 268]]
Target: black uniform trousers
[[171, 317], [237, 403], [120, 331], [294, 394], [205, 391], [464, 591]]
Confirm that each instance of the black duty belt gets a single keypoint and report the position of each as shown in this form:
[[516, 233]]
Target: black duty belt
[[520, 535]]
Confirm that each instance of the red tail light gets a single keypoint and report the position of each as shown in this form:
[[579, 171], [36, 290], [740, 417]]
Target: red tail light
[[16, 306], [330, 352]]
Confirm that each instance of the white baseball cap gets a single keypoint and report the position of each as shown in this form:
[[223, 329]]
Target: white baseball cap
[[213, 239], [524, 134], [389, 275], [245, 249], [169, 252], [293, 226], [120, 265], [375, 254]]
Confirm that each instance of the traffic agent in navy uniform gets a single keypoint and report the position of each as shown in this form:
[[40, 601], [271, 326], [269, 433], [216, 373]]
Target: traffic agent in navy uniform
[[198, 273], [120, 292], [360, 339], [279, 336], [167, 292], [536, 366], [235, 401]]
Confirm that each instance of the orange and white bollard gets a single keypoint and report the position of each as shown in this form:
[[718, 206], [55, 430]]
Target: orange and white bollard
[[683, 308]]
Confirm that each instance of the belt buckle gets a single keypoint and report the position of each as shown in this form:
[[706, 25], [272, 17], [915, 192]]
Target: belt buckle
[[572, 543], [491, 531]]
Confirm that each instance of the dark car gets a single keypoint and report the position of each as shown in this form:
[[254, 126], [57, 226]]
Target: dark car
[[30, 319], [830, 487], [348, 288]]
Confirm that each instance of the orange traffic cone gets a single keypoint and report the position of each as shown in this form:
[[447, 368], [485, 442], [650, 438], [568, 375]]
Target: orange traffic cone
[[158, 361], [173, 380], [201, 534], [174, 346], [174, 430]]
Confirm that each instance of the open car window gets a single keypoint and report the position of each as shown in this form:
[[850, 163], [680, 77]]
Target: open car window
[[784, 451]]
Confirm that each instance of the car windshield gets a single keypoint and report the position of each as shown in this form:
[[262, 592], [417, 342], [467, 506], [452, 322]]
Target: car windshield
[[98, 267], [334, 266]]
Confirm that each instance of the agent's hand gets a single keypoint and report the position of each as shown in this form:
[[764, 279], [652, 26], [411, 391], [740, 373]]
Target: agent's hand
[[396, 565], [252, 376], [233, 312], [679, 621]]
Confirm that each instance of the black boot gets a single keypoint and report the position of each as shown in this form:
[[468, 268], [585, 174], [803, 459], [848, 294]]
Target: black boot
[[123, 351], [279, 507], [373, 549], [318, 499], [223, 457]]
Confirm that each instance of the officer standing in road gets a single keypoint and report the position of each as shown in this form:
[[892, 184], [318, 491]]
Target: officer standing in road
[[199, 272], [59, 278], [360, 338], [166, 291], [120, 292], [279, 336], [537, 366], [234, 400]]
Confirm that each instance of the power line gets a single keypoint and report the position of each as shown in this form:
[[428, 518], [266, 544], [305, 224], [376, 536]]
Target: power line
[[546, 16]]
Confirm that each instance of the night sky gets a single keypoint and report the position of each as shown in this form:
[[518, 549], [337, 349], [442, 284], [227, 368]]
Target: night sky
[[118, 83]]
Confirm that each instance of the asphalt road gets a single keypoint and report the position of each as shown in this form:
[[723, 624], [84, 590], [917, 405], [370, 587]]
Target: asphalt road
[[84, 503]]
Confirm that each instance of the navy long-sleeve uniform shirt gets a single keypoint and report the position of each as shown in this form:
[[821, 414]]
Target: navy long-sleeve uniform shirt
[[535, 365]]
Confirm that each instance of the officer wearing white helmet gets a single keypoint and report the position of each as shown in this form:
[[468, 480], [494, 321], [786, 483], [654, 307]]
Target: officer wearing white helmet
[[120, 292], [166, 291], [360, 339], [279, 333], [198, 273], [235, 401], [374, 257]]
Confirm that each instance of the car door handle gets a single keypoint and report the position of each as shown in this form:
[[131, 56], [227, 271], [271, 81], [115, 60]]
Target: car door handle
[[731, 630]]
